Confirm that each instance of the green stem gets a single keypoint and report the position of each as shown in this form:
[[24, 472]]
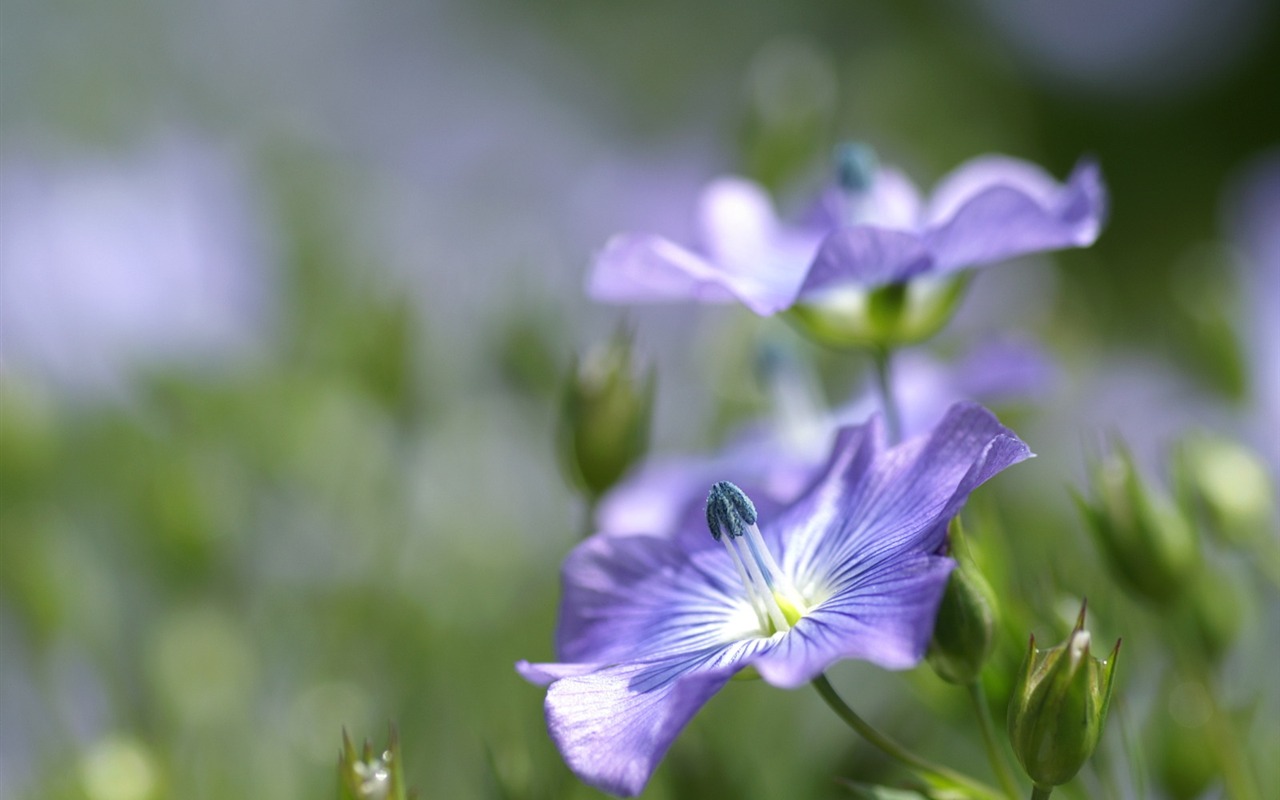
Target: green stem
[[999, 763], [1041, 792], [894, 750], [589, 514], [884, 383]]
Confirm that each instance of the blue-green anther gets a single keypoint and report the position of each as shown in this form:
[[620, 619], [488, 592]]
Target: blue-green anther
[[856, 165], [729, 510], [731, 518]]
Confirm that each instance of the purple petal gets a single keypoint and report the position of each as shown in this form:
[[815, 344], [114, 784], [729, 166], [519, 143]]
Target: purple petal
[[627, 598], [996, 208], [751, 256], [885, 617], [866, 256], [666, 496], [614, 725], [636, 268], [865, 510], [892, 202], [544, 674]]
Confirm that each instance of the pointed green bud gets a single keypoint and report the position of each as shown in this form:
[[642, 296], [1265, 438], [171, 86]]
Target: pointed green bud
[[1059, 707], [366, 775], [886, 316], [1149, 545], [964, 633], [604, 421]]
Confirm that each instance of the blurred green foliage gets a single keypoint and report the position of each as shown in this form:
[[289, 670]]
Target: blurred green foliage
[[205, 579]]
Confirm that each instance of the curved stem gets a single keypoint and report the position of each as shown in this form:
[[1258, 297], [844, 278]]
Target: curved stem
[[884, 383], [1041, 793], [999, 763], [894, 750]]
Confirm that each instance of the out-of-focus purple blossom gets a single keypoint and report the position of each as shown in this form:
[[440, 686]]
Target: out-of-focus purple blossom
[[650, 628], [109, 265], [776, 462], [869, 230], [1253, 211]]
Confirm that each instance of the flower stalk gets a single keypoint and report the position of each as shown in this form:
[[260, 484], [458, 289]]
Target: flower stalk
[[896, 751], [1000, 764], [884, 383]]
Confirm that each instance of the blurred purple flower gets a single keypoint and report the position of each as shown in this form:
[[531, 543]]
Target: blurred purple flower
[[1252, 212], [776, 462], [871, 229], [651, 628], [113, 265]]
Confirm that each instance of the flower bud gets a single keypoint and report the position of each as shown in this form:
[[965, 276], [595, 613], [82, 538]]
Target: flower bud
[[886, 316], [366, 776], [1148, 543], [1212, 614], [1231, 487], [1059, 707], [604, 422], [964, 633]]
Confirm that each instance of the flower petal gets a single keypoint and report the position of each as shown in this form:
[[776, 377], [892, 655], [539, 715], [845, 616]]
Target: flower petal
[[996, 208], [885, 617], [615, 724], [892, 202], [875, 506], [636, 268], [628, 598], [865, 256]]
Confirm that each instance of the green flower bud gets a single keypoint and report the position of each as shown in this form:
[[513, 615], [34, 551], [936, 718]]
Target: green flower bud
[[1231, 486], [1059, 707], [964, 633], [366, 776], [1212, 614], [604, 422], [1148, 543], [884, 317]]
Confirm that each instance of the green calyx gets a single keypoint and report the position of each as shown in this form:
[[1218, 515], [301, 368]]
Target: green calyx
[[964, 633], [887, 316], [1059, 707]]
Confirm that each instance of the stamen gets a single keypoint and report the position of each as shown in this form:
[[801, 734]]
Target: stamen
[[731, 517], [856, 165]]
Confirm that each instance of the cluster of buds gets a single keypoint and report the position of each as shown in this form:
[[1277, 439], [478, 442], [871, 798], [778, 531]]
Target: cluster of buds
[[1059, 707], [604, 420]]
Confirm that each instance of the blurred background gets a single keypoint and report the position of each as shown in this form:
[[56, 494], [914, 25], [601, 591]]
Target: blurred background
[[288, 291]]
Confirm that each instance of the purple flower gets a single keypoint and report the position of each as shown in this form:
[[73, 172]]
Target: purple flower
[[160, 258], [869, 230], [651, 627], [775, 462]]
